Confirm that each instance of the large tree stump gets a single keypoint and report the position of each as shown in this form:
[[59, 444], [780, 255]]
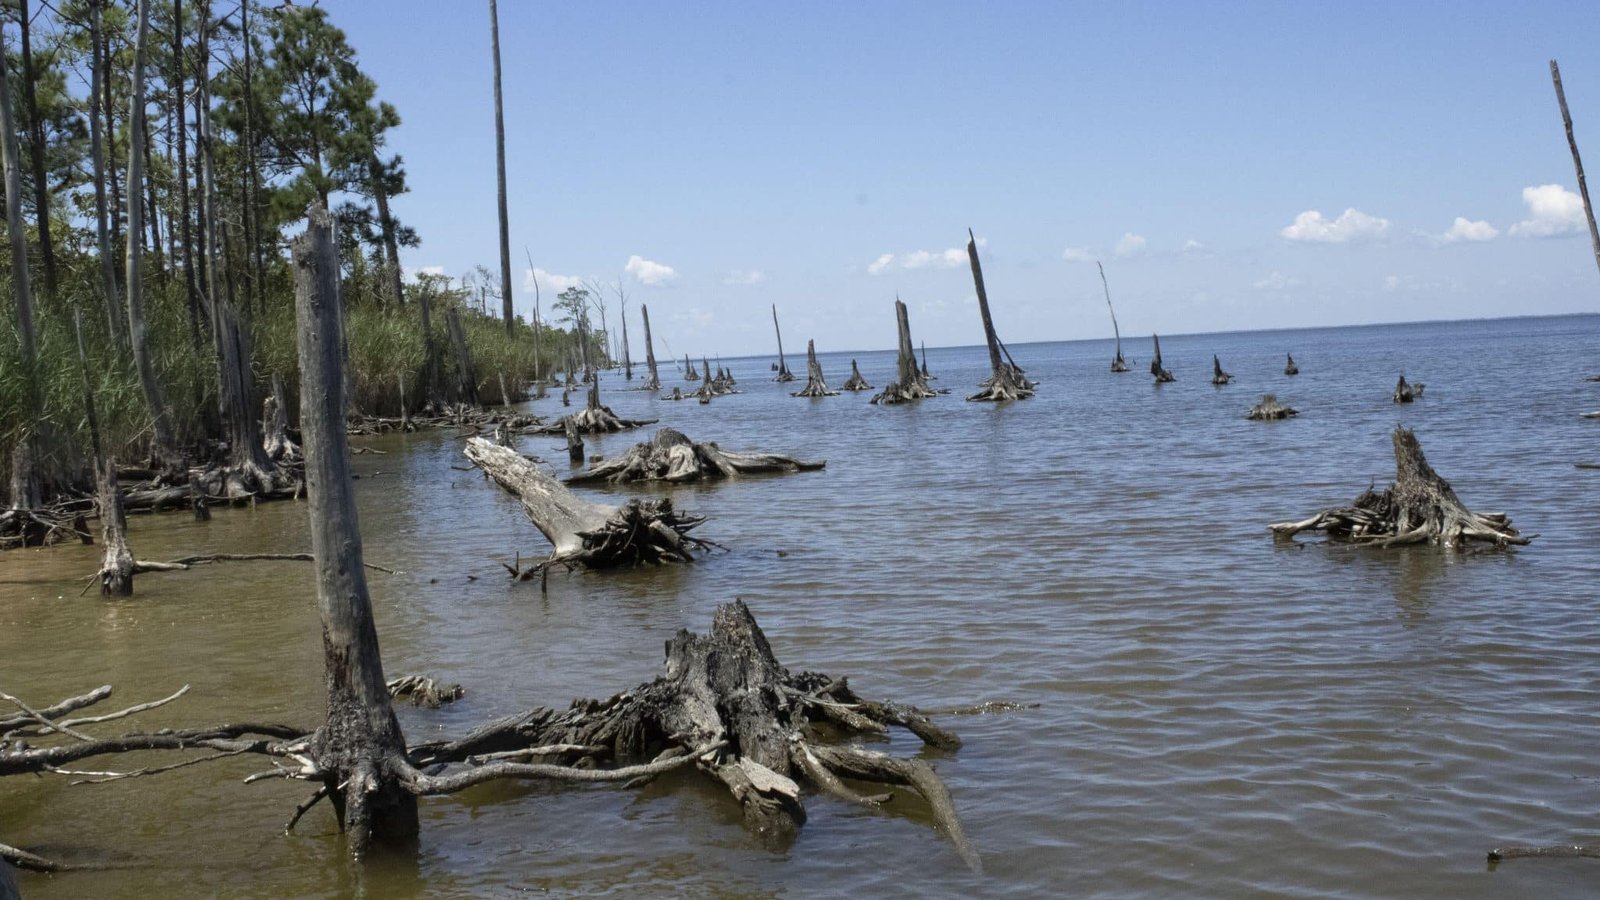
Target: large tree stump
[[689, 374], [275, 440], [910, 383], [1420, 507], [856, 382], [670, 456], [1405, 392], [816, 385], [595, 418], [1162, 376], [1270, 409], [1291, 368], [1218, 377], [1006, 380]]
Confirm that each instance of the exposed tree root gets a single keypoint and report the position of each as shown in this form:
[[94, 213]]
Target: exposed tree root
[[1420, 507], [670, 456], [1405, 393], [1270, 409], [816, 385], [856, 382], [1218, 377]]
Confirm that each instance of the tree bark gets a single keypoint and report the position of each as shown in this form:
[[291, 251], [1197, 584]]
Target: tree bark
[[41, 188], [500, 170], [1577, 161], [360, 750], [654, 384]]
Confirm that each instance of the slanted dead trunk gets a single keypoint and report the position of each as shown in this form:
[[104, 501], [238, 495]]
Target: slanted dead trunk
[[1218, 377], [1118, 364], [1162, 376], [670, 456], [926, 376], [856, 382], [1291, 368], [1006, 380], [583, 533], [1405, 392], [1420, 507], [910, 383], [1270, 409], [816, 385], [652, 383], [783, 366]]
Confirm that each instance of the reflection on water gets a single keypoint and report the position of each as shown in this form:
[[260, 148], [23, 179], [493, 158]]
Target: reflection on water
[[1219, 713]]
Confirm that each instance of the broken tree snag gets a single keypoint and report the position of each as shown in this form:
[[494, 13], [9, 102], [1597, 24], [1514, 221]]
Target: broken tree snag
[[1118, 364], [783, 366], [585, 533], [594, 418], [1269, 409], [246, 471], [275, 426], [724, 704], [670, 456], [1420, 507], [116, 565], [1162, 375], [1218, 377], [910, 383], [856, 382], [359, 752], [925, 375], [466, 376], [816, 385], [1405, 392], [689, 374], [1291, 368], [652, 383], [1577, 161], [1006, 381]]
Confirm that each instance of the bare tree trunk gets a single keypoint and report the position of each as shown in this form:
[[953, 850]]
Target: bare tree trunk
[[191, 288], [108, 264], [41, 188], [910, 383], [152, 210], [1118, 364], [1006, 381], [430, 350], [538, 329], [391, 246], [24, 461], [466, 377], [1577, 161], [202, 74], [783, 366], [252, 218], [816, 385], [500, 170], [654, 384], [360, 750], [110, 107], [627, 354], [116, 566]]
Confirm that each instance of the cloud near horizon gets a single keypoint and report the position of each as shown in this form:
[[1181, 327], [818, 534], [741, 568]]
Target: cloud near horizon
[[1130, 244], [1077, 254], [1352, 225], [1277, 281], [1465, 230], [649, 272], [949, 258], [1552, 210], [549, 281]]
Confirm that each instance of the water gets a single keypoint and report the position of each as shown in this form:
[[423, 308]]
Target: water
[[1219, 714]]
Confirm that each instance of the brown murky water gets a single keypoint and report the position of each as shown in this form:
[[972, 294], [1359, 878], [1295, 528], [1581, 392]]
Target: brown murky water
[[1219, 714]]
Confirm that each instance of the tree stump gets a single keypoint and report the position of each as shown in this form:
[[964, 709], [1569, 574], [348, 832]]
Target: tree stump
[[816, 385], [593, 419], [911, 384], [1269, 409], [1291, 368], [689, 374], [1420, 507], [670, 456], [856, 382], [1162, 376], [1218, 377], [1405, 392], [1006, 380]]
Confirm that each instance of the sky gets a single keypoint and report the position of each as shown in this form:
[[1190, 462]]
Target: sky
[[1232, 165]]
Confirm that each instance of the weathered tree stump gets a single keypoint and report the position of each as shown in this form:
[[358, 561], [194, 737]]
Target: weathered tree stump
[[1269, 409], [275, 439], [1006, 380], [1162, 376], [783, 365], [670, 456], [689, 374], [856, 382], [594, 418], [1218, 377], [910, 384], [653, 382], [1291, 368], [816, 385], [1420, 507], [1405, 392]]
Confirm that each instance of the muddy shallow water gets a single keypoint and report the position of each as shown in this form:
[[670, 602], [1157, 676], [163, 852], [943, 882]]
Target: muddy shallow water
[[1219, 714]]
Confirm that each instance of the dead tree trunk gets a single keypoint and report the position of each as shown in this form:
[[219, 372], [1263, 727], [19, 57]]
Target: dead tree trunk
[[689, 374], [116, 566], [275, 424], [1006, 381], [1218, 377], [654, 381], [910, 384], [1291, 368], [1270, 409], [708, 385], [627, 352], [1577, 161], [466, 376], [926, 375], [670, 456], [25, 488], [1118, 364], [816, 385], [1405, 392], [41, 186], [359, 751], [500, 174], [1420, 507], [108, 265], [783, 366], [856, 382], [1162, 376], [250, 472]]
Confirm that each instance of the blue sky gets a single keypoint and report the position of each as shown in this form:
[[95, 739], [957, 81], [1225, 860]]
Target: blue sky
[[826, 156]]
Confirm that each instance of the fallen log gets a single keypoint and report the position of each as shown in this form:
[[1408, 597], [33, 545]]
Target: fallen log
[[1419, 507], [1405, 392], [1291, 368], [1006, 380], [1218, 377], [816, 385], [671, 456], [1269, 409], [1162, 376], [856, 382]]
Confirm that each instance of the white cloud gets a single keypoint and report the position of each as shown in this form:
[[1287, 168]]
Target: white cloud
[[923, 259], [1466, 230], [555, 284], [1352, 225], [1392, 282], [740, 276], [427, 270], [1193, 246], [878, 265], [1552, 209], [1130, 244], [1077, 254], [1277, 281], [649, 272]]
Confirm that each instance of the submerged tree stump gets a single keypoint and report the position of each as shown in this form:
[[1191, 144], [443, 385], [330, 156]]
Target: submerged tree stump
[[1291, 368], [594, 418], [1405, 392], [816, 385], [1420, 507], [911, 383], [1269, 409], [856, 382], [670, 456], [1218, 377], [1006, 380], [1162, 376]]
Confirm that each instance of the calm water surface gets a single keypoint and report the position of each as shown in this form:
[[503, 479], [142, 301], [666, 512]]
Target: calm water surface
[[1218, 714]]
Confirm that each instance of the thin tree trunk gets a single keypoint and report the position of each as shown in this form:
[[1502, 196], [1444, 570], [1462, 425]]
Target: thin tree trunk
[[133, 276], [41, 188], [360, 749], [500, 169], [654, 384], [1117, 362], [627, 356], [97, 150], [391, 246], [24, 460], [202, 75], [110, 107], [783, 366], [1577, 161], [430, 349], [538, 331], [191, 288], [152, 211], [252, 217]]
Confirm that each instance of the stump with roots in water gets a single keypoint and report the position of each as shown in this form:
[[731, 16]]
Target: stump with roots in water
[[594, 418], [1291, 368], [585, 534], [1218, 377], [671, 456], [910, 383], [1420, 507], [1006, 380], [816, 385], [1162, 376], [1405, 392], [689, 374], [856, 382], [1269, 409]]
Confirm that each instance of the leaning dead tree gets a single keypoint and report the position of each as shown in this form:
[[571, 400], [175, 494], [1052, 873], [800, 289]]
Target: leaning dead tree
[[652, 383], [1405, 392], [1006, 380], [816, 385], [670, 456], [910, 383], [1218, 377], [1291, 368], [1420, 507], [856, 382], [1118, 364], [1577, 161], [783, 366], [1162, 376], [1269, 409], [582, 533]]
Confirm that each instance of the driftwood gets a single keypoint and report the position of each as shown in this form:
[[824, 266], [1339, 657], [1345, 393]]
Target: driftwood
[[1405, 392], [856, 382], [1420, 507], [816, 385], [910, 383], [783, 366], [583, 533], [1118, 364], [1218, 377], [1006, 380], [1291, 368], [1162, 376], [670, 456], [1270, 409]]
